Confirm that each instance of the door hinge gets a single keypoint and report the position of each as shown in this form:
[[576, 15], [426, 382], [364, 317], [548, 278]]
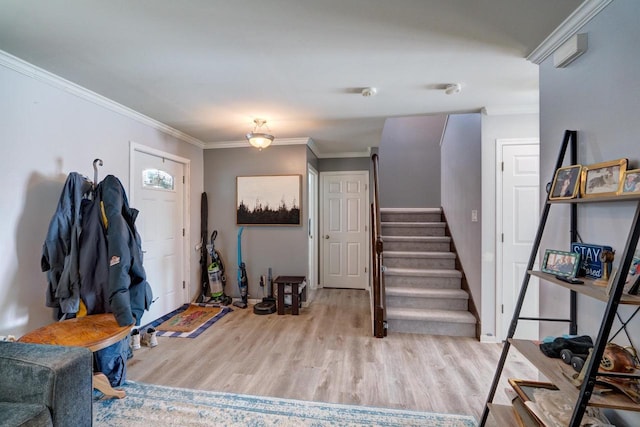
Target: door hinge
[[184, 285], [183, 179], [502, 237], [365, 269], [502, 166], [183, 232], [502, 308]]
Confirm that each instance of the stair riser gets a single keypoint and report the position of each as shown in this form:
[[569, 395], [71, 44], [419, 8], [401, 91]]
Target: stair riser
[[422, 282], [401, 262], [458, 304], [417, 246], [410, 217], [432, 328], [393, 230]]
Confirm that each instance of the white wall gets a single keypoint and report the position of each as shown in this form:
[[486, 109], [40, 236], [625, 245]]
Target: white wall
[[495, 127], [46, 132]]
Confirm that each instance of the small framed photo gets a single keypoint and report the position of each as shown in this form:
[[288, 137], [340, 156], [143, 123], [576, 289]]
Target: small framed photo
[[631, 182], [566, 183], [561, 263], [602, 179]]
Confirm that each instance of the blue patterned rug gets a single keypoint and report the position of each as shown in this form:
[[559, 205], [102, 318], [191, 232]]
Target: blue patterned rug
[[148, 405]]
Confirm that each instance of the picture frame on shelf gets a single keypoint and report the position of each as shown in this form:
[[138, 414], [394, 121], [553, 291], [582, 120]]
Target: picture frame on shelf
[[632, 282], [631, 182], [269, 200], [561, 263], [602, 179], [566, 183]]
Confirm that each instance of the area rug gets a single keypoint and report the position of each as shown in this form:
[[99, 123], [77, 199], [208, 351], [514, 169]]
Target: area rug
[[193, 318], [151, 405]]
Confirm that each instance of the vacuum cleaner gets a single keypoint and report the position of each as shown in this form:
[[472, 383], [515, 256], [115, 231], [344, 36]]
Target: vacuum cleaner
[[243, 282], [268, 304]]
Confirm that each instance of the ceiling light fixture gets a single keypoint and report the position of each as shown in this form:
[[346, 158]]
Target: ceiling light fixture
[[259, 139], [452, 88]]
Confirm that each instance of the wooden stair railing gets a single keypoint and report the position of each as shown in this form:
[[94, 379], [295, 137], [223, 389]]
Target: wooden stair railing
[[379, 314]]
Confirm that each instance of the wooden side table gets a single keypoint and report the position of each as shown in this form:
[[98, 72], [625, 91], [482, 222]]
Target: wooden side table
[[298, 289], [94, 332]]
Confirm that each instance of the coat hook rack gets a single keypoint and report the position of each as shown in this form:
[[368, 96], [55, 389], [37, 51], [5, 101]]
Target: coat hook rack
[[96, 163]]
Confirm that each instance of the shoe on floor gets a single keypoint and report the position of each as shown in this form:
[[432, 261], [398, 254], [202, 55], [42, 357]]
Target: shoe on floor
[[135, 339], [149, 338]]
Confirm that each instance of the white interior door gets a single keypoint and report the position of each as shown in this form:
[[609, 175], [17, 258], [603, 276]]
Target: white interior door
[[158, 187], [519, 211], [344, 229], [312, 270]]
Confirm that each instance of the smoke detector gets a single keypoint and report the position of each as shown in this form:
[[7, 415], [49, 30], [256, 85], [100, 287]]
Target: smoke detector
[[369, 91], [452, 88]]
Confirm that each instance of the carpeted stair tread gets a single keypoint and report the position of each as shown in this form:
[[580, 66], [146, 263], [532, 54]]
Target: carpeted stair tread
[[419, 272], [413, 224], [440, 239], [411, 210], [451, 316], [414, 254], [426, 293]]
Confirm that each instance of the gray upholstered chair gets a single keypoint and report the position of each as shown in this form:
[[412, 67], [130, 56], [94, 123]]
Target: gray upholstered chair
[[45, 385]]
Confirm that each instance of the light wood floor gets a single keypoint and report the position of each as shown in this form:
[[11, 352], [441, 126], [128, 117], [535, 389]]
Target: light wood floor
[[327, 354]]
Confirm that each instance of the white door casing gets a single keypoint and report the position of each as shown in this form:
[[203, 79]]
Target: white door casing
[[312, 232], [518, 212], [162, 227], [344, 230]]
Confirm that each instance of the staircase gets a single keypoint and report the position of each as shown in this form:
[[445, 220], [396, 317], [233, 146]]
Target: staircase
[[423, 287]]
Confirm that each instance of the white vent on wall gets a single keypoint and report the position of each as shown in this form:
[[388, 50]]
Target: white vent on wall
[[570, 50]]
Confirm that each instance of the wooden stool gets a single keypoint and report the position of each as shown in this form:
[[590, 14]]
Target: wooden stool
[[94, 332], [298, 288]]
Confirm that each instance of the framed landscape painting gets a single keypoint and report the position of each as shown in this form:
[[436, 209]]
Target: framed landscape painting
[[268, 200]]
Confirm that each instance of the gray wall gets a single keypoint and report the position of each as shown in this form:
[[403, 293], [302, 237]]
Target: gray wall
[[409, 160], [599, 96], [45, 133], [461, 192], [283, 248], [344, 164]]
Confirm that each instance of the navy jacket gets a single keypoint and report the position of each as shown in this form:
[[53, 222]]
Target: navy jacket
[[128, 289], [60, 252]]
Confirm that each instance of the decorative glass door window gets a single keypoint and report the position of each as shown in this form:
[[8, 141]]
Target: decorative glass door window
[[159, 179]]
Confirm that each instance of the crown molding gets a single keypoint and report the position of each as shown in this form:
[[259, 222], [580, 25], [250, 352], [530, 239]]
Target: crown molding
[[570, 26], [23, 67], [345, 155], [245, 144], [509, 110]]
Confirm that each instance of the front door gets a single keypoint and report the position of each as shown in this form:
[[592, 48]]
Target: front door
[[345, 256], [519, 212], [158, 193]]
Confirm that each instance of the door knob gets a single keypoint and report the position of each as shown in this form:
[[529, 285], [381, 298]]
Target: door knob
[[326, 236]]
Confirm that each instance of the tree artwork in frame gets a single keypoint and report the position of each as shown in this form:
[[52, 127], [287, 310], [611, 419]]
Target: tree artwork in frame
[[602, 179], [631, 182], [268, 200], [566, 183], [561, 263]]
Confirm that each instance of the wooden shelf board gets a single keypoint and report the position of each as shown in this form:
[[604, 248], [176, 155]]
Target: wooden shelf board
[[598, 199], [587, 288], [553, 369]]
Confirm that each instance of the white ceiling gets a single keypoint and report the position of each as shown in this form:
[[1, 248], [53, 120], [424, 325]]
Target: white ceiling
[[209, 67]]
